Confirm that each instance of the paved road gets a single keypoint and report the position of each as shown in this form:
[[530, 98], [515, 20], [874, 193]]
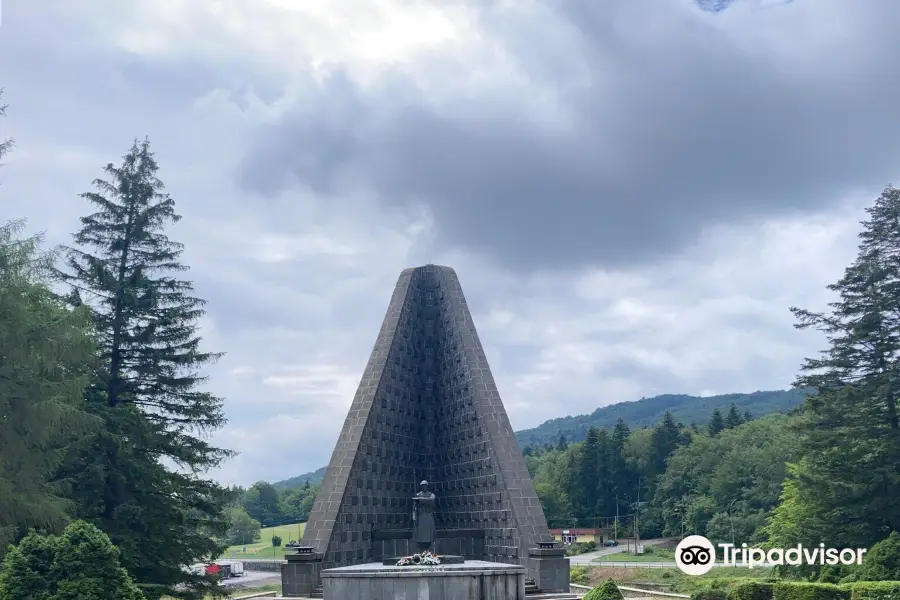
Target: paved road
[[588, 559], [254, 578]]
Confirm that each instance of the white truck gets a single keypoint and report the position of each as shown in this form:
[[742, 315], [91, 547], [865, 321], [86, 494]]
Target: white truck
[[230, 568]]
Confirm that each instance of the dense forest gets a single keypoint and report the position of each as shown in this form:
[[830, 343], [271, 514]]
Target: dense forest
[[105, 422]]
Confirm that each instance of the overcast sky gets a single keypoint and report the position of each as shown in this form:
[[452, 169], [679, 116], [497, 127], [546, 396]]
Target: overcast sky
[[633, 192]]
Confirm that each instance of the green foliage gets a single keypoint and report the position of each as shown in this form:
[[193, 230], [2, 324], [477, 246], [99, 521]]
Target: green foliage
[[734, 418], [579, 575], [276, 540], [752, 590], [581, 548], [243, 529], [261, 503], [313, 478], [147, 389], [846, 485], [728, 482], [648, 412], [608, 590], [882, 561], [716, 423], [25, 572], [801, 590], [296, 504], [710, 593], [47, 354], [81, 564], [875, 590]]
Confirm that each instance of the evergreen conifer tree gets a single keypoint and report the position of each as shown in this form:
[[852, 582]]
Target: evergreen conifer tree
[[733, 418], [46, 356], [716, 423], [849, 476], [147, 388]]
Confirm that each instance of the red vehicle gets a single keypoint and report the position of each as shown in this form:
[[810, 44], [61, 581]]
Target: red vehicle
[[213, 569]]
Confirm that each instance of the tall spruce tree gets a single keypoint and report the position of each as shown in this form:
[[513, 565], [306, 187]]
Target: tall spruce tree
[[716, 423], [733, 418], [849, 476], [141, 480]]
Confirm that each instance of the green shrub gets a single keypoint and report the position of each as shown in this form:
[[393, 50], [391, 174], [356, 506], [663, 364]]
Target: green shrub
[[710, 593], [835, 573], [81, 564], [579, 575], [801, 590], [608, 590], [875, 590], [751, 590], [276, 540], [882, 561]]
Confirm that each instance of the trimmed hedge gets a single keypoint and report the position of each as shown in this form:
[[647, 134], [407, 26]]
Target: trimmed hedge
[[710, 594], [752, 590], [874, 590], [608, 590], [799, 590]]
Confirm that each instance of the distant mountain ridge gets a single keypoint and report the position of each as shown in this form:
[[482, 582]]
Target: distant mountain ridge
[[647, 412], [638, 414]]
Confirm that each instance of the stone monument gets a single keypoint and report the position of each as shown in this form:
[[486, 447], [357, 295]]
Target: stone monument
[[423, 518], [427, 408]]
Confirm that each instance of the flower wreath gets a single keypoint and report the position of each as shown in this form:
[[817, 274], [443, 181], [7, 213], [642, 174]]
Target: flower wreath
[[423, 558]]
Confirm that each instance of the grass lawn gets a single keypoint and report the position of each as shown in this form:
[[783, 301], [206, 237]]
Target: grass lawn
[[673, 579], [262, 547], [651, 555]]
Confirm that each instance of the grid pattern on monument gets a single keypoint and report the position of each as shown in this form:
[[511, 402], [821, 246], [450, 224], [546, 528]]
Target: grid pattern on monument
[[427, 407], [389, 459], [468, 472]]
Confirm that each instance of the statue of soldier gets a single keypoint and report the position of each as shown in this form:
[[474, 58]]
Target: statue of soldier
[[423, 518]]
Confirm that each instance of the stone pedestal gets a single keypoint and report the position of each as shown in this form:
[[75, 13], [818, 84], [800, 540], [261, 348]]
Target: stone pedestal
[[300, 572], [549, 567], [471, 580]]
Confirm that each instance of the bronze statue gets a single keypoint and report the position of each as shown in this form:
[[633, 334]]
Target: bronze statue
[[423, 518]]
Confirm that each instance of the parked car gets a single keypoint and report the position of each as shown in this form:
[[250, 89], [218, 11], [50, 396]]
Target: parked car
[[610, 543]]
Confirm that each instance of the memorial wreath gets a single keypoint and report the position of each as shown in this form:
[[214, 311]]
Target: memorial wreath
[[423, 558]]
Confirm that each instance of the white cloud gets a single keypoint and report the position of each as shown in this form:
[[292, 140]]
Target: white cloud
[[298, 283]]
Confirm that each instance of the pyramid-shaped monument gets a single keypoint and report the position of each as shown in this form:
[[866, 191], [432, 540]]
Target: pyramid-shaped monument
[[427, 408]]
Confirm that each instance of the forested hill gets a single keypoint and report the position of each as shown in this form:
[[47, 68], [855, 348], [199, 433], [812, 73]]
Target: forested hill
[[314, 478], [647, 412]]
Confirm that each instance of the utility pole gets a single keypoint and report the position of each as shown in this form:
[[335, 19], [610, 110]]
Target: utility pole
[[616, 524], [637, 510]]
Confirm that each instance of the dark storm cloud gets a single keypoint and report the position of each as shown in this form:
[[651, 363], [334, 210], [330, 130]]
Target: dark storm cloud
[[675, 127]]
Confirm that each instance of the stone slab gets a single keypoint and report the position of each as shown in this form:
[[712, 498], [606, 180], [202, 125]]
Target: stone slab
[[472, 580]]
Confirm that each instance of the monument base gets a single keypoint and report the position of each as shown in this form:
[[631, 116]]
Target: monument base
[[444, 558], [550, 568], [470, 580]]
